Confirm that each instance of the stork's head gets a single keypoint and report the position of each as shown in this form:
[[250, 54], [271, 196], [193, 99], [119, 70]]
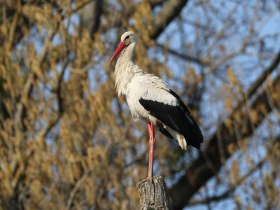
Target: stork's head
[[126, 39]]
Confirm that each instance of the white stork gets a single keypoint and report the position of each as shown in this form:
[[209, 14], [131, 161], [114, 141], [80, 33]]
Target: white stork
[[149, 99]]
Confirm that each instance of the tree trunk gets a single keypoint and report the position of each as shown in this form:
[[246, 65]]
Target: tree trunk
[[153, 194]]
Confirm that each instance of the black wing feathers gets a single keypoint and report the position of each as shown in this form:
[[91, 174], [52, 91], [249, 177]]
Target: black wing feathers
[[164, 131], [176, 117], [180, 101]]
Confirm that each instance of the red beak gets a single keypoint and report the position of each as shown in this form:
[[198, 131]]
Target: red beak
[[120, 47]]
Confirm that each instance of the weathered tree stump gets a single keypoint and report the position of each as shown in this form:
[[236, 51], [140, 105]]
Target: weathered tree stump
[[153, 194]]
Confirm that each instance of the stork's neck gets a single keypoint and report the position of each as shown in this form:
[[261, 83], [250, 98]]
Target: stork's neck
[[127, 54], [125, 69]]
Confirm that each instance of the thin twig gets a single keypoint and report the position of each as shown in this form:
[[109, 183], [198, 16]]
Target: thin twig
[[27, 89], [232, 188], [183, 56], [228, 192], [76, 188]]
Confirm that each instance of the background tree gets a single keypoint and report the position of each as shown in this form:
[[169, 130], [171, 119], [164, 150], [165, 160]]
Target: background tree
[[68, 142]]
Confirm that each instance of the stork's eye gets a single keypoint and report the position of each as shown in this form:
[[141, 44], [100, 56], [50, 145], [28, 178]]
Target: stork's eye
[[126, 40]]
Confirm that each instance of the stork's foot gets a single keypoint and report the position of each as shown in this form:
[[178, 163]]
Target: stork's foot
[[149, 178]]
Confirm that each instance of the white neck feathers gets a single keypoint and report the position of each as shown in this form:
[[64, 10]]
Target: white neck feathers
[[124, 70]]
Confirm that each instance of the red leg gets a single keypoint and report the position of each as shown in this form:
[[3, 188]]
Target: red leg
[[151, 151]]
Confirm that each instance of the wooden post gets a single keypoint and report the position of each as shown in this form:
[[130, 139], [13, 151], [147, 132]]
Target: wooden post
[[153, 194]]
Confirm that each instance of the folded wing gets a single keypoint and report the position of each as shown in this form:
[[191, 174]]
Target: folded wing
[[176, 117]]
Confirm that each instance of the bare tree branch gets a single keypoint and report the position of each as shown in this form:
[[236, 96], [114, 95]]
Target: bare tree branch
[[262, 78], [76, 188], [31, 80], [155, 3], [183, 56], [228, 192], [199, 172], [90, 16], [170, 10]]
